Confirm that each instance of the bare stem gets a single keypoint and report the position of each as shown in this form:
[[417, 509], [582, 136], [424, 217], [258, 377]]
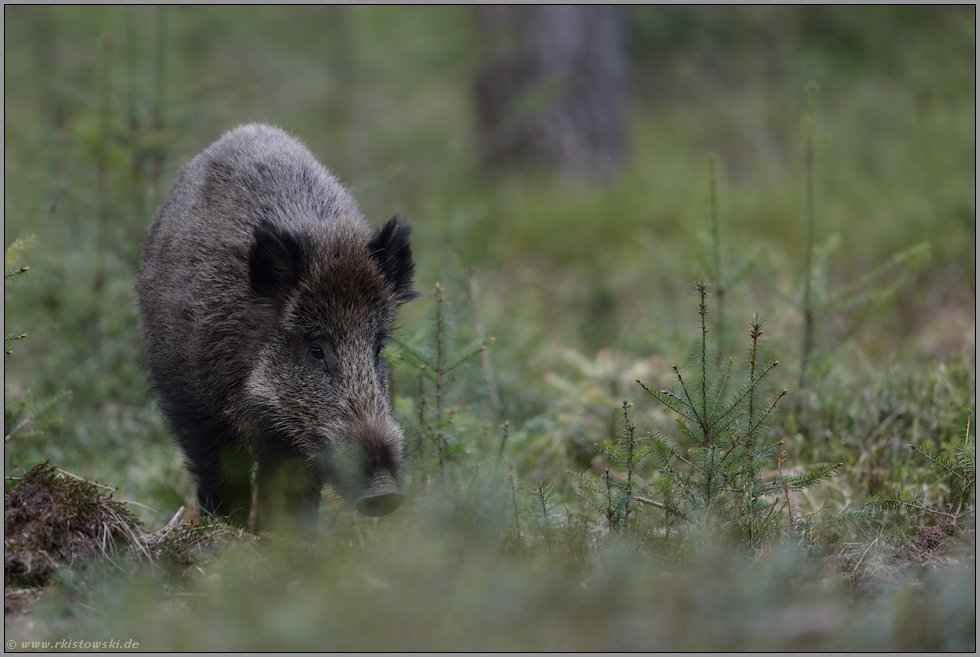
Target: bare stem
[[485, 356], [102, 188], [631, 451], [422, 405], [703, 311], [517, 515], [132, 114], [755, 332], [159, 97], [779, 469], [808, 315], [716, 243], [645, 500], [544, 514], [503, 441], [440, 433]]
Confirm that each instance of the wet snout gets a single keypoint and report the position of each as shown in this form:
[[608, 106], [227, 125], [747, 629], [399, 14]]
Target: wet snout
[[380, 497]]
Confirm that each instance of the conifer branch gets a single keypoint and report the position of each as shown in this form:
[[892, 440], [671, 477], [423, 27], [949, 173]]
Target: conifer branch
[[753, 428], [664, 397], [724, 382]]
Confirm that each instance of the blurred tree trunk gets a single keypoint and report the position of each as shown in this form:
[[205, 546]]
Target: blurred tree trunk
[[552, 93]]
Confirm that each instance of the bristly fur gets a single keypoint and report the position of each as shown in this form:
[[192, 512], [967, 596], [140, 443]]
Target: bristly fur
[[390, 247], [265, 299], [276, 260]]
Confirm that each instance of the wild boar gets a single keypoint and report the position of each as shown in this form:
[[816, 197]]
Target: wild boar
[[266, 300]]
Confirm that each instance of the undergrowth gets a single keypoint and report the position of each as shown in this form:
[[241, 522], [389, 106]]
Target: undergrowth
[[703, 509]]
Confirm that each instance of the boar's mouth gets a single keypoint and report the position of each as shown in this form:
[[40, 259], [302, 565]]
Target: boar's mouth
[[363, 467], [380, 497], [374, 492]]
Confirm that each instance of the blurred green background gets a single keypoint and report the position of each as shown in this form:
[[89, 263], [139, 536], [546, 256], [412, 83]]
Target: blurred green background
[[103, 105], [584, 281]]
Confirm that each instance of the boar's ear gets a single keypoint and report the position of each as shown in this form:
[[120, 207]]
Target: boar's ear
[[391, 249], [275, 261]]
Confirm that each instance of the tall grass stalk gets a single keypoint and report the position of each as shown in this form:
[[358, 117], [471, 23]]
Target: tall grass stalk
[[808, 312], [481, 335], [103, 196], [159, 101], [716, 248], [135, 133]]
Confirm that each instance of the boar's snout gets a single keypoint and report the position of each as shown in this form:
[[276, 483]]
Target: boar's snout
[[380, 497]]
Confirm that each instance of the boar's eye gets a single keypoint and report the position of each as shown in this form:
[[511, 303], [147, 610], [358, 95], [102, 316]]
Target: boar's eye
[[320, 354]]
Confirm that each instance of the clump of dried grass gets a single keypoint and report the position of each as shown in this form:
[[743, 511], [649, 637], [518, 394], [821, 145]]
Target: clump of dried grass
[[53, 518]]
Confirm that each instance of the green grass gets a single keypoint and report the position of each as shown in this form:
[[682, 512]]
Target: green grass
[[583, 288]]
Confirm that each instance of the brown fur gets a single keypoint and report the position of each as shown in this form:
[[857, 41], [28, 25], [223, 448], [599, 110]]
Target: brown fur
[[265, 300]]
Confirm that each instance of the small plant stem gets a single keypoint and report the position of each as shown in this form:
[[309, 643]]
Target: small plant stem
[[644, 500], [159, 97], [132, 114], [703, 311], [20, 425], [630, 449], [422, 404], [733, 405], [863, 555], [769, 409], [503, 442], [939, 463], [609, 500], [755, 332], [485, 356], [709, 463], [544, 514], [724, 383], [630, 460], [789, 504], [716, 244], [517, 515], [965, 481], [808, 328], [102, 187], [440, 435], [690, 403]]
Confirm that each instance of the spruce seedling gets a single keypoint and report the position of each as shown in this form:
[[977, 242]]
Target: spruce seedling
[[716, 249], [860, 297], [614, 495], [23, 417], [435, 362], [539, 505], [720, 479], [808, 329], [958, 472]]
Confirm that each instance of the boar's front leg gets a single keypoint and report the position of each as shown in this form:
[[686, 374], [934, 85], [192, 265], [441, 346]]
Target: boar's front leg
[[288, 497], [223, 471]]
